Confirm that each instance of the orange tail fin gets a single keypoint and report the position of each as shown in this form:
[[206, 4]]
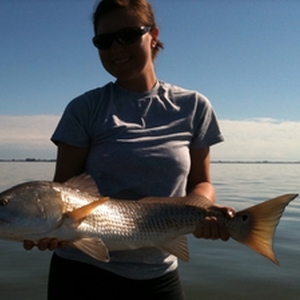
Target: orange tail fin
[[259, 223]]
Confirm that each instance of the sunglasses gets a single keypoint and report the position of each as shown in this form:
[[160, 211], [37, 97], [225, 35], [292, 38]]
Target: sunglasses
[[125, 36]]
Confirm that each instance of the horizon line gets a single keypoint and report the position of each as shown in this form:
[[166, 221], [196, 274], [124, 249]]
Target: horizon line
[[215, 161]]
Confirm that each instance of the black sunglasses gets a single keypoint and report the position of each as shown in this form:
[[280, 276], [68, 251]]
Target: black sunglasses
[[125, 36]]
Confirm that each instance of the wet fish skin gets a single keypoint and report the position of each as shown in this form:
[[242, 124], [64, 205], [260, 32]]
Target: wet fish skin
[[75, 211]]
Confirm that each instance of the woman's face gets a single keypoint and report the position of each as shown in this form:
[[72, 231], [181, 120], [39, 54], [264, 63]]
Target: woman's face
[[130, 64]]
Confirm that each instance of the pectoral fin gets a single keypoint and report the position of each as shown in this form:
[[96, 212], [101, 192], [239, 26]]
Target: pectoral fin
[[178, 247], [93, 247], [84, 183], [79, 214]]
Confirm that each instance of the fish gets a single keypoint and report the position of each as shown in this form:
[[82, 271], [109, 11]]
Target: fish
[[74, 211]]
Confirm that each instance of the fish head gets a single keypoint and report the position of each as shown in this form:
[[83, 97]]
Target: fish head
[[29, 209]]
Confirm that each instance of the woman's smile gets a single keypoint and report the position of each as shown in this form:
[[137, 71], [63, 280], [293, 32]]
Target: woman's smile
[[121, 61]]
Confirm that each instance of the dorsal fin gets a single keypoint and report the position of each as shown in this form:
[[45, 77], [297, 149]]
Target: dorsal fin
[[190, 200], [198, 201], [84, 183], [162, 200]]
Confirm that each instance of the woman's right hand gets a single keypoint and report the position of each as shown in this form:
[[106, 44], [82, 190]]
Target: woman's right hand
[[44, 244]]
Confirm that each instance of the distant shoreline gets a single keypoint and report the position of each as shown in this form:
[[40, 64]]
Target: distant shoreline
[[27, 160], [37, 160], [254, 162]]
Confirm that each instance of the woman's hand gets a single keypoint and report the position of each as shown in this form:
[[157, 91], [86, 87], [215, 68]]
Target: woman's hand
[[211, 228], [44, 244]]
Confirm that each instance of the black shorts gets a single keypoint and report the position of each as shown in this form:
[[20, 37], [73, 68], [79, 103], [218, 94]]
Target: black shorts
[[69, 279]]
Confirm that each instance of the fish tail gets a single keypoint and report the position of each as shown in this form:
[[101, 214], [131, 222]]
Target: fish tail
[[259, 223]]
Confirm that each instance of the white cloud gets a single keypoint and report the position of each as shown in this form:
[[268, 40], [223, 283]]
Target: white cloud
[[27, 136], [254, 139], [259, 139]]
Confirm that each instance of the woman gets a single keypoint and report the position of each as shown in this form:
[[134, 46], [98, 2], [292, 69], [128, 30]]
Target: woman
[[136, 137]]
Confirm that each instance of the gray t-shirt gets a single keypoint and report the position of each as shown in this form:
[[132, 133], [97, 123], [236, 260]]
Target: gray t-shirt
[[138, 146]]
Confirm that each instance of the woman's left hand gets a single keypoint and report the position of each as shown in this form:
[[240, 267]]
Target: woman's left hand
[[211, 228]]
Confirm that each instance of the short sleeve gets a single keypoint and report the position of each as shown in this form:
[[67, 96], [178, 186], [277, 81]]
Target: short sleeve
[[73, 126], [207, 131]]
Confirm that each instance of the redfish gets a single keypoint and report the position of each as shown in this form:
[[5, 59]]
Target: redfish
[[74, 211]]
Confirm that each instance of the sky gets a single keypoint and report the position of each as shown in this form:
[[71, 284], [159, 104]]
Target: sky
[[242, 54]]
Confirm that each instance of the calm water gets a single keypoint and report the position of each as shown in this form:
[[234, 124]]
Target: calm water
[[217, 270]]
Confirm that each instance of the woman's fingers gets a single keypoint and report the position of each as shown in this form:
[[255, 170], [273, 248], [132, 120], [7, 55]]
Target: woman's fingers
[[44, 244]]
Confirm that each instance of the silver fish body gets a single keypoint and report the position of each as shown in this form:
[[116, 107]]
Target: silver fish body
[[127, 225], [74, 211]]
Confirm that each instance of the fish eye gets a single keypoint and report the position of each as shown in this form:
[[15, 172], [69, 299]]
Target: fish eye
[[3, 202]]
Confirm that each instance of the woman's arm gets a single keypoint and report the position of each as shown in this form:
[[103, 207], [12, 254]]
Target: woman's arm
[[199, 183], [70, 162]]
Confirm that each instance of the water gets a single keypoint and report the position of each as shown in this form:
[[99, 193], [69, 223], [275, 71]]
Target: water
[[217, 270]]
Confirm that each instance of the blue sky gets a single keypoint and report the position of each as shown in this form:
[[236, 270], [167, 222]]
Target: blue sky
[[242, 54]]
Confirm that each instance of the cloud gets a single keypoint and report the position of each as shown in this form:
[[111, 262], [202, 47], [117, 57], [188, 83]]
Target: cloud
[[27, 136], [253, 139], [259, 139]]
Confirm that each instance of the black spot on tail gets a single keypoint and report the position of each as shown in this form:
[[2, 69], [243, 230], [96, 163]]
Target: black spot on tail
[[245, 218]]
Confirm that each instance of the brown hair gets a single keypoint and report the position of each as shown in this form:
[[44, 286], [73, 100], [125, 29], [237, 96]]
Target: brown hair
[[141, 8]]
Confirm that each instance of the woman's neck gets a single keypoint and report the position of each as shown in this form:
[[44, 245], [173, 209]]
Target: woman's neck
[[140, 84]]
